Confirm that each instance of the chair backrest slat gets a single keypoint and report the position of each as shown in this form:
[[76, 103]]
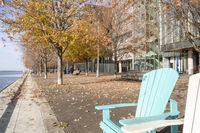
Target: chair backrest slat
[[192, 111], [155, 91]]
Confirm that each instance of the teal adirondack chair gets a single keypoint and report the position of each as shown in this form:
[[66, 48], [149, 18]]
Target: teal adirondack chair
[[192, 113], [155, 92]]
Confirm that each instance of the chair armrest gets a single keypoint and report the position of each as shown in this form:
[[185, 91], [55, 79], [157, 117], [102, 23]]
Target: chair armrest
[[113, 106], [148, 126]]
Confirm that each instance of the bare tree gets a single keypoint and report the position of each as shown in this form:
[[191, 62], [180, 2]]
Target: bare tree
[[187, 12], [124, 27]]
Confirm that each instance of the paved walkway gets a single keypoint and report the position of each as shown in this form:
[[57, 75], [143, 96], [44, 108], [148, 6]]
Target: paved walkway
[[26, 112]]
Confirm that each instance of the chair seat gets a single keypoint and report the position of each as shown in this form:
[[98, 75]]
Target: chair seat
[[139, 128], [133, 121], [139, 120]]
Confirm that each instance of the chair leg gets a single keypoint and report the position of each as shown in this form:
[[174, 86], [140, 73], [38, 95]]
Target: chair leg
[[174, 129]]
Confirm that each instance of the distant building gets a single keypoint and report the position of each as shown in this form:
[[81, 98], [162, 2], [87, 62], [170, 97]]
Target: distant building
[[148, 38], [154, 33], [129, 29], [178, 53]]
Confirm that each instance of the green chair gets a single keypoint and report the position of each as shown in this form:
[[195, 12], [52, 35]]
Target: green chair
[[155, 92]]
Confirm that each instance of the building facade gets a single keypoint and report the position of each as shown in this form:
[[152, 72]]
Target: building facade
[[178, 52], [157, 38], [129, 29], [147, 37], [137, 24]]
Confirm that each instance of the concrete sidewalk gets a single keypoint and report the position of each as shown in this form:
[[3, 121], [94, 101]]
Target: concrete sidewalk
[[26, 111]]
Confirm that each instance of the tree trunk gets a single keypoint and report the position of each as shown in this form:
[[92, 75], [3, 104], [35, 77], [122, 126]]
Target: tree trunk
[[40, 68], [45, 68], [97, 72], [59, 67], [115, 61], [86, 67], [38, 71]]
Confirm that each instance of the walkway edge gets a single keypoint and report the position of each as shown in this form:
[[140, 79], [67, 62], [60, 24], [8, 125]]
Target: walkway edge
[[49, 118]]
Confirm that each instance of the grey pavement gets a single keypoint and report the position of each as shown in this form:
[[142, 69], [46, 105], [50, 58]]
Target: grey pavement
[[24, 110]]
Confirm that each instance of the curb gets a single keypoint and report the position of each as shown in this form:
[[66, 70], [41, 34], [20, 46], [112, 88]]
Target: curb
[[49, 118]]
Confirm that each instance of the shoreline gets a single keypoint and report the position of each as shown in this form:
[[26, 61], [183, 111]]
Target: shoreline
[[13, 82], [23, 108], [7, 94]]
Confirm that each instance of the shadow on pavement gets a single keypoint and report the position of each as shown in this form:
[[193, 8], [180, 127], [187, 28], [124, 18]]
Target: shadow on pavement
[[5, 119]]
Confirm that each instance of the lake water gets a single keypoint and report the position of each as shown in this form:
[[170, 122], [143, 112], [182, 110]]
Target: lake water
[[8, 77]]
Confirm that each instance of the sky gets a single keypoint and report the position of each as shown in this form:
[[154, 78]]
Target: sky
[[11, 54], [106, 3]]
